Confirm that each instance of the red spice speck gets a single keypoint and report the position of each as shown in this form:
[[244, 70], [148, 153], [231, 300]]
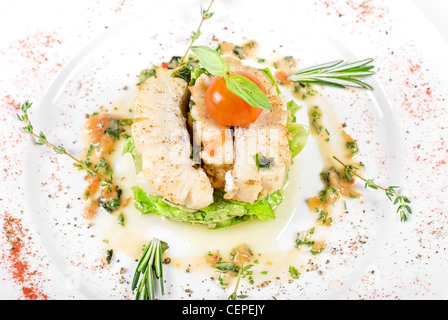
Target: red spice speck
[[362, 10], [12, 103], [17, 258], [414, 67]]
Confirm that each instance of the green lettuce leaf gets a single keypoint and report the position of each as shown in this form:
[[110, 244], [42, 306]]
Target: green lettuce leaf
[[129, 147], [221, 213], [298, 131]]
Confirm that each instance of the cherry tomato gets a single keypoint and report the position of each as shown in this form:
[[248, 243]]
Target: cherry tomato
[[227, 108]]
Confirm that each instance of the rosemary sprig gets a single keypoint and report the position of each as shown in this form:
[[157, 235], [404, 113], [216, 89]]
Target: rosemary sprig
[[150, 268], [337, 74], [205, 15], [41, 139], [403, 202]]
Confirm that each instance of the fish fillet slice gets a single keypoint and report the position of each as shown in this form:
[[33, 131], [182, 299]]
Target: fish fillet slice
[[267, 136], [217, 139], [161, 137]]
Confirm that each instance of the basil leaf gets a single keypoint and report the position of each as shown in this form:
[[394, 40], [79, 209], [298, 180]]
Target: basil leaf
[[247, 90], [269, 74], [210, 60]]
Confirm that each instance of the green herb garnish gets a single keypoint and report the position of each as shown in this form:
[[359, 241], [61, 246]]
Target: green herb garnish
[[293, 272], [271, 77], [120, 219], [238, 51], [242, 270], [205, 15], [145, 75], [190, 72], [323, 195], [316, 251], [403, 202], [238, 84], [105, 166], [174, 62], [227, 266], [316, 115], [337, 74], [323, 218], [353, 147], [149, 269], [262, 162], [109, 255], [303, 238], [41, 139], [210, 60], [110, 205], [115, 128], [183, 72], [247, 90]]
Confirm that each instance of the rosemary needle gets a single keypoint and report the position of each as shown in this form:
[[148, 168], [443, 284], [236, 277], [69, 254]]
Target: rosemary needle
[[337, 74], [149, 269]]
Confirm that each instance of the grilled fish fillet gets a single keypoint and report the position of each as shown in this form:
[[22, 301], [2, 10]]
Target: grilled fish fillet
[[161, 137], [217, 151], [217, 139], [268, 137]]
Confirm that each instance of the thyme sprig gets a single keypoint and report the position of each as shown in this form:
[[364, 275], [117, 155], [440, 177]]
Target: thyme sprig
[[205, 15], [337, 74], [41, 139], [403, 202], [234, 295], [150, 268]]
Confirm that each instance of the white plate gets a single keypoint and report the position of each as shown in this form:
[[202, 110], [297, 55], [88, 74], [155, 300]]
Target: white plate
[[370, 254]]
